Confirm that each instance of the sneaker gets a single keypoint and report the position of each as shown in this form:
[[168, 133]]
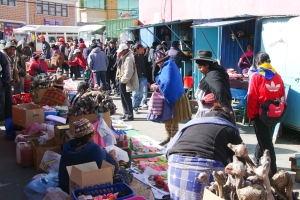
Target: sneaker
[[136, 110], [166, 141], [145, 106], [123, 117], [128, 119]]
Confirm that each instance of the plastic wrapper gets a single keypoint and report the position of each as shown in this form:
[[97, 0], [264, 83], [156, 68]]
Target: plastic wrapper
[[33, 129], [106, 133], [50, 162], [120, 154], [57, 194]]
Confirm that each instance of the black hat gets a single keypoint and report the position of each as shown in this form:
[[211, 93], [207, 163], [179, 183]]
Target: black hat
[[112, 41], [175, 43], [137, 46], [204, 55]]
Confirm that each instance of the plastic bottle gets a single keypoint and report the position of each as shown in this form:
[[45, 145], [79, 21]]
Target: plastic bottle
[[20, 145], [85, 75], [125, 141], [130, 144], [26, 156]]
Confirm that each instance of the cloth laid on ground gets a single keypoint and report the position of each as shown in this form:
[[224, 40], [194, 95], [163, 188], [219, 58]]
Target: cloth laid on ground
[[145, 147], [182, 174]]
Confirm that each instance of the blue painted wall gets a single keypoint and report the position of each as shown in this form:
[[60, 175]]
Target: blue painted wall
[[230, 49], [200, 43], [146, 37]]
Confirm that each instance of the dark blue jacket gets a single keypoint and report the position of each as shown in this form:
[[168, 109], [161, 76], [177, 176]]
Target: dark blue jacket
[[46, 50], [177, 55], [89, 153]]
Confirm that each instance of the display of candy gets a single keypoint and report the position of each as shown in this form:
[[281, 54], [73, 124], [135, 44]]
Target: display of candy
[[159, 181], [109, 196]]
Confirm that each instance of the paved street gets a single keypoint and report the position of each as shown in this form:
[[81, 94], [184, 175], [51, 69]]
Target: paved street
[[13, 177]]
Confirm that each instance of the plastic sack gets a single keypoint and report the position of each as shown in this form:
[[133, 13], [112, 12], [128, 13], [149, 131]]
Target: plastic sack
[[106, 133], [10, 128], [57, 194], [97, 137], [37, 188], [50, 129], [50, 162], [120, 153], [34, 128]]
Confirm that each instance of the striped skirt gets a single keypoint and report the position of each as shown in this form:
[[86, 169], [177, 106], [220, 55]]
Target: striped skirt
[[182, 174]]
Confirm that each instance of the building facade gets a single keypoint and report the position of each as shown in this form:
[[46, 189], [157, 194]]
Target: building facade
[[14, 14]]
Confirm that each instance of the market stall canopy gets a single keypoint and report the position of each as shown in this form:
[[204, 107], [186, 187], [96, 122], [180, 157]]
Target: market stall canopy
[[220, 23], [117, 26], [158, 24]]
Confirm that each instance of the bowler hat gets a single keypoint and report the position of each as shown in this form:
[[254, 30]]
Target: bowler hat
[[204, 55]]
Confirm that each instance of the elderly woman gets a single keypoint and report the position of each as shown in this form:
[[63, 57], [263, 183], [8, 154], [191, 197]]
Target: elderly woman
[[214, 86], [82, 149], [200, 146], [169, 83]]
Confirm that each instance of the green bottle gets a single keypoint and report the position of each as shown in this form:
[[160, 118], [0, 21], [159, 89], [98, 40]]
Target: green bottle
[[130, 144], [85, 75]]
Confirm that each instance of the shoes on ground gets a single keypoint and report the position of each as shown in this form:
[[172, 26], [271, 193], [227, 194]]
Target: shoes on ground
[[123, 117], [136, 110], [166, 141], [145, 106], [128, 119]]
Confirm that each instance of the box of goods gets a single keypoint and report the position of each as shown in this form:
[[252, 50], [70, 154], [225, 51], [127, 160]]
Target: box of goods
[[91, 117], [60, 133], [37, 94], [39, 150], [25, 114], [88, 175], [50, 111], [208, 195], [24, 138]]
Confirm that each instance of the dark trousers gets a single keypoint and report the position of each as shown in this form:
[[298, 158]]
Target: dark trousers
[[126, 100], [111, 77], [7, 102], [100, 79], [264, 136], [76, 71]]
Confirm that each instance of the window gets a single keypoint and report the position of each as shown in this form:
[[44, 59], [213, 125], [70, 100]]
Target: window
[[8, 2], [49, 8]]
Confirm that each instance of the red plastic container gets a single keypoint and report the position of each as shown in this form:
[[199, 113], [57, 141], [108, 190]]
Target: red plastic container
[[188, 81], [137, 198], [22, 98], [26, 156]]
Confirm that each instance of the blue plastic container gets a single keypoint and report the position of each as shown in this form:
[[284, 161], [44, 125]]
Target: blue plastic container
[[50, 113], [118, 187]]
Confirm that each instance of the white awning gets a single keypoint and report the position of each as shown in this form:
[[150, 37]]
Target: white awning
[[218, 24]]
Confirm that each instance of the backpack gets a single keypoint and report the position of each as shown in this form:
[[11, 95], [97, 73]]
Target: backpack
[[272, 111]]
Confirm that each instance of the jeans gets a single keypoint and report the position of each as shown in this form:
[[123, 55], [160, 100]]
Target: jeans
[[126, 101], [140, 95], [111, 78], [100, 79], [264, 136]]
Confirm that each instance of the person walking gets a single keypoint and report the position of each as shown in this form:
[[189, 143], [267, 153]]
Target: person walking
[[64, 49], [140, 96], [97, 63], [265, 84], [176, 54], [111, 53], [128, 80], [45, 47]]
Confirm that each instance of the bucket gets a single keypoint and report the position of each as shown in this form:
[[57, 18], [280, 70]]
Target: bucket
[[188, 81]]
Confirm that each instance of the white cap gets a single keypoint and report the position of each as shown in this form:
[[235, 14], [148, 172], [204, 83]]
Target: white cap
[[122, 47], [76, 51]]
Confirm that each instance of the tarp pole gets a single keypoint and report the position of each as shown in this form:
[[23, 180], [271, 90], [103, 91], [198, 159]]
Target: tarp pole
[[178, 37]]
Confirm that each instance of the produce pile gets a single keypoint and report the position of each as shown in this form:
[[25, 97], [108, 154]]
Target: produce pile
[[92, 102], [40, 82]]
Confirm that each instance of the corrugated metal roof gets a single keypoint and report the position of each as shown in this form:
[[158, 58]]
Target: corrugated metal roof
[[158, 24], [217, 24], [116, 27]]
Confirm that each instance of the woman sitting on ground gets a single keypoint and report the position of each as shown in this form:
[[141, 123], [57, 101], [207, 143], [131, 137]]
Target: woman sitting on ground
[[82, 88], [200, 146], [82, 149], [34, 66], [54, 96]]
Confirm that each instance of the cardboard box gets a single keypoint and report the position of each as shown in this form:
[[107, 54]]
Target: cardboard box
[[208, 195], [89, 175], [60, 132], [39, 150], [27, 113], [37, 95], [28, 137], [91, 117]]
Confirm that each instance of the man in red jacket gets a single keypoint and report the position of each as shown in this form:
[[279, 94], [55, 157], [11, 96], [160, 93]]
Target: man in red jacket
[[78, 61], [265, 84]]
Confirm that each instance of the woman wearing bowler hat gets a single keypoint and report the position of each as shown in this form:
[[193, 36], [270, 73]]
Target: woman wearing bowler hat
[[214, 86]]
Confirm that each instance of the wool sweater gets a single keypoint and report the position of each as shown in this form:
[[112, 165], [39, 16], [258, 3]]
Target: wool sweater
[[89, 153]]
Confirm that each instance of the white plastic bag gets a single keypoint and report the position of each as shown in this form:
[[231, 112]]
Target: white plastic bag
[[56, 193], [120, 153], [106, 133], [50, 162]]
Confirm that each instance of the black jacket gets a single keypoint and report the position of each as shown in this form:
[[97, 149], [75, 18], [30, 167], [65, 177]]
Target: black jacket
[[141, 62], [112, 57], [177, 56]]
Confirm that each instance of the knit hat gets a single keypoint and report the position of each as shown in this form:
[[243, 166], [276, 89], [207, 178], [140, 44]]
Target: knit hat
[[83, 127], [9, 45], [160, 56], [58, 80]]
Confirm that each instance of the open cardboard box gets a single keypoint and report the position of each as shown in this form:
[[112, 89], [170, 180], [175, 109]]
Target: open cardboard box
[[39, 150], [25, 114], [38, 94], [60, 132], [89, 175]]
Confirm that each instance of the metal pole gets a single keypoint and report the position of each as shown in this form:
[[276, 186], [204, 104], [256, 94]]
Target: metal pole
[[178, 37]]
